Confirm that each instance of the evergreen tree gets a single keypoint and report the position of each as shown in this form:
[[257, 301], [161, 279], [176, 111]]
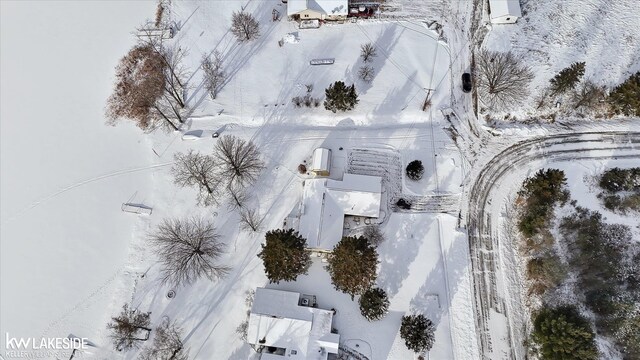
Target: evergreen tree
[[625, 98], [541, 193], [352, 265], [415, 170], [562, 333], [374, 304], [568, 78], [284, 255], [340, 97], [417, 332]]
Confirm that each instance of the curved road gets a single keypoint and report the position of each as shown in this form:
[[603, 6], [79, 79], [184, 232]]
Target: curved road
[[492, 310]]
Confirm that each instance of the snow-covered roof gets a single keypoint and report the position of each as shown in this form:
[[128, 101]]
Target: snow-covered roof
[[277, 320], [501, 8], [321, 159], [325, 202], [329, 7]]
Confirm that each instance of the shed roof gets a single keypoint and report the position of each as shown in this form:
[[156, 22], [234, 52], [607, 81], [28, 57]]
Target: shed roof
[[321, 159], [501, 8], [329, 7]]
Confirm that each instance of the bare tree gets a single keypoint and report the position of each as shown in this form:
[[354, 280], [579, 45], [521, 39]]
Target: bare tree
[[175, 73], [368, 52], [587, 95], [503, 81], [239, 160], [214, 76], [167, 344], [237, 196], [129, 328], [188, 250], [250, 220], [373, 234], [366, 73], [244, 26], [139, 87], [198, 170]]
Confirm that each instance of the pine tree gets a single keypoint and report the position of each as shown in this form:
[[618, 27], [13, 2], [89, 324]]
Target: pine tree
[[340, 97], [415, 170], [284, 255], [352, 265], [562, 333], [625, 98], [374, 304], [417, 332], [568, 78]]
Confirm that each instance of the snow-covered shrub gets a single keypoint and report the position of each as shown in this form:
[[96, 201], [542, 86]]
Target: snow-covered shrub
[[374, 304], [368, 52], [339, 96], [366, 73], [417, 332], [415, 170]]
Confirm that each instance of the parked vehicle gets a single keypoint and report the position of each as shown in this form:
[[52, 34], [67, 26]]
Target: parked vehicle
[[466, 82]]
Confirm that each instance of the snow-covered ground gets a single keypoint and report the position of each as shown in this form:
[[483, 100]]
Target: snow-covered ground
[[552, 35], [77, 257], [264, 77], [64, 239]]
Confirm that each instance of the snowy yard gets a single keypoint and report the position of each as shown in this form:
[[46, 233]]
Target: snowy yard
[[264, 77]]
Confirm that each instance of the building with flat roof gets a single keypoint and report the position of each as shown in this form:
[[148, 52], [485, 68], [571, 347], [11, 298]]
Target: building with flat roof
[[287, 325]]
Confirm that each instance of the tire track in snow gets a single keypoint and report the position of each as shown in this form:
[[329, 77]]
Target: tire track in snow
[[78, 184], [483, 244]]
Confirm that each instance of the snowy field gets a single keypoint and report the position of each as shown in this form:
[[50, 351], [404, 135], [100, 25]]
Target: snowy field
[[64, 173]]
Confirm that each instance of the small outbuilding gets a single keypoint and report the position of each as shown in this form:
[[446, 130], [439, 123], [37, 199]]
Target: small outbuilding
[[318, 9], [321, 164], [504, 11]]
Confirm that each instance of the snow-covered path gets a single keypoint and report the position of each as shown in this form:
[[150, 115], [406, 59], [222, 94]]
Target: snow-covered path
[[499, 315]]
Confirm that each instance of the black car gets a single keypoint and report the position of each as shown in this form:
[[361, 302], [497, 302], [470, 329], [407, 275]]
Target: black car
[[466, 82]]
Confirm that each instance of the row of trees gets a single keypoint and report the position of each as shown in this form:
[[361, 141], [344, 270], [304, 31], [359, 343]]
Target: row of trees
[[503, 82], [131, 328], [224, 175], [352, 268], [151, 79], [150, 87]]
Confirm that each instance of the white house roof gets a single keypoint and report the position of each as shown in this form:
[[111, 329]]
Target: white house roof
[[325, 202], [321, 158], [501, 8], [329, 7], [277, 320]]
